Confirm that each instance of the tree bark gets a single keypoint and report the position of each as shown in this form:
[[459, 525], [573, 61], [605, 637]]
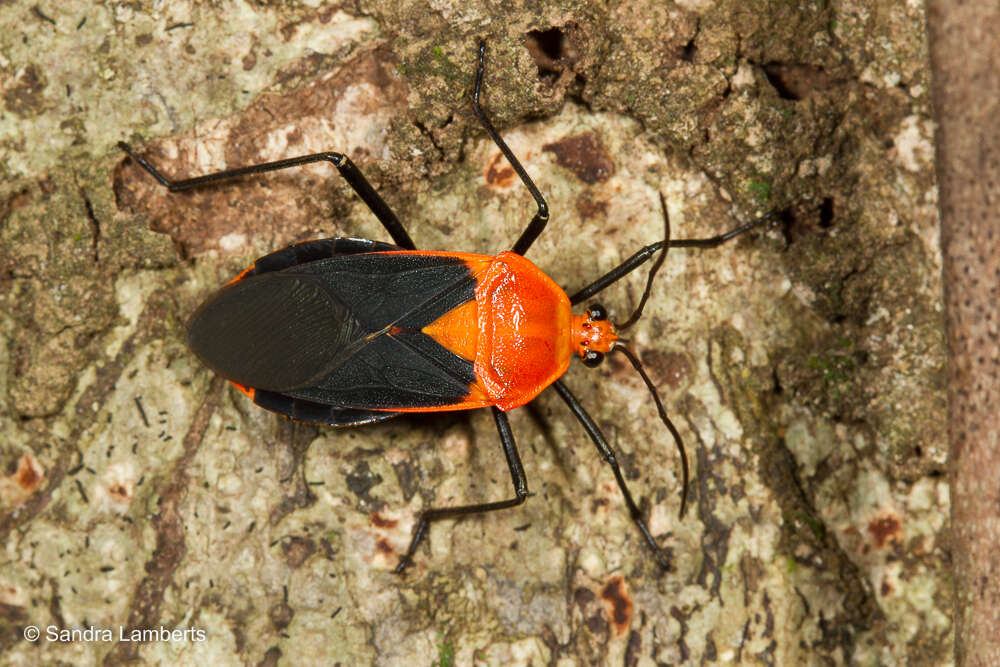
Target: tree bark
[[965, 48]]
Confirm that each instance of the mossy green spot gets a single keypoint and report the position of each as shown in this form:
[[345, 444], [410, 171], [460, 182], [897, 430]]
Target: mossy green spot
[[761, 190]]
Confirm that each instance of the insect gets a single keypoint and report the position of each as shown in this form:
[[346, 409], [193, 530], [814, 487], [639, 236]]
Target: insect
[[347, 331]]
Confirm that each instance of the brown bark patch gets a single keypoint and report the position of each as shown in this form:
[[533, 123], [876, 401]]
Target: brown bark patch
[[584, 155]]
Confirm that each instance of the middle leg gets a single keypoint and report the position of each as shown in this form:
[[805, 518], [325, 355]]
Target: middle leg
[[541, 217], [516, 474]]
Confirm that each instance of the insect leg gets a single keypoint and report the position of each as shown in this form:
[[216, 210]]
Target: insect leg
[[537, 223], [590, 426], [347, 169], [516, 474], [645, 254]]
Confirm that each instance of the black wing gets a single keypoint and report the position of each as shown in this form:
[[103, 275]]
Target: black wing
[[339, 332]]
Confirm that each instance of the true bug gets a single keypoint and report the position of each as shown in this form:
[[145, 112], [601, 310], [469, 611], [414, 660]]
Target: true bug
[[349, 331]]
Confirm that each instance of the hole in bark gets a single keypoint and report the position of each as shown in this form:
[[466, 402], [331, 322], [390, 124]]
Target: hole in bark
[[826, 213], [548, 48], [688, 52], [551, 42], [795, 82]]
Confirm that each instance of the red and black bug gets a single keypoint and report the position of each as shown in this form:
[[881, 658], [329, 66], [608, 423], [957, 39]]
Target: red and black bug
[[350, 331]]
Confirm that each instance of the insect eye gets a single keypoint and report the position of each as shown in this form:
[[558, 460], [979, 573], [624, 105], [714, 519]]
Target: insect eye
[[592, 358], [596, 311]]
